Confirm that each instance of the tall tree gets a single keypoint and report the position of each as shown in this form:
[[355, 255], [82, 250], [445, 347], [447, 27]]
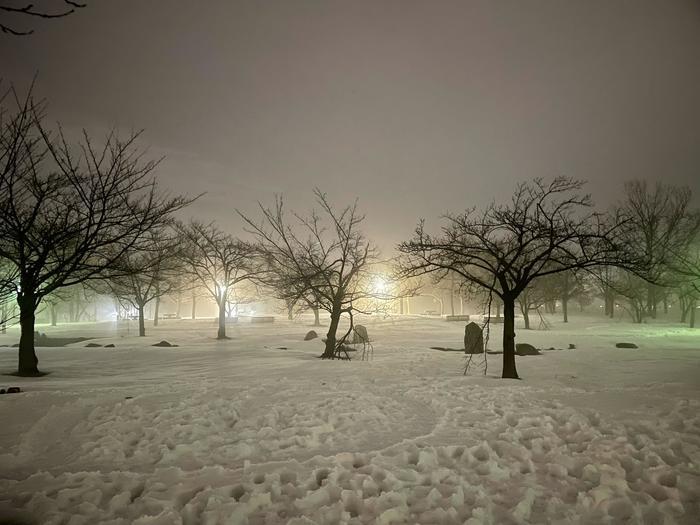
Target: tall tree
[[547, 228], [69, 212], [660, 224], [219, 262], [325, 256]]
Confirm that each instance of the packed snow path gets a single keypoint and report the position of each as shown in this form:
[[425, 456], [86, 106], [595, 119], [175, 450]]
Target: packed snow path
[[241, 431]]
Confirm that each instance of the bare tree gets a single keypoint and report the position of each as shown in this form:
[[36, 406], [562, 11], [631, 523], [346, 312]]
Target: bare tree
[[145, 274], [219, 262], [69, 213], [686, 266], [531, 298], [547, 228], [327, 260], [660, 224], [9, 280], [15, 15]]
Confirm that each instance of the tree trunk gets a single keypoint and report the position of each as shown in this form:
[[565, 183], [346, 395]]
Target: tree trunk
[[53, 315], [317, 318], [3, 318], [221, 333], [565, 298], [142, 322], [525, 310], [461, 305], [179, 306], [683, 309], [71, 310], [290, 310], [498, 309], [665, 304], [692, 313], [194, 304], [509, 370], [650, 301], [638, 310], [27, 355], [329, 351], [401, 305], [452, 295], [157, 312]]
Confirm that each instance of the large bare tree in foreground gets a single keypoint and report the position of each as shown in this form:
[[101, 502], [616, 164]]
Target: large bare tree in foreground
[[323, 257], [547, 228], [68, 212]]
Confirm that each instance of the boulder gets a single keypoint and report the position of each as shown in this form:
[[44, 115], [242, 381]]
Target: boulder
[[360, 334], [110, 345], [311, 334], [164, 344], [526, 349], [473, 339], [93, 345], [626, 345], [572, 346]]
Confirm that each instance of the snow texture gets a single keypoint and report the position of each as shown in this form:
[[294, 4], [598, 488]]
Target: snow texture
[[238, 432]]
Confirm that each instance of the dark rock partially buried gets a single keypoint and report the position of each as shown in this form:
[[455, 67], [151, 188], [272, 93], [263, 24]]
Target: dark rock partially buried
[[110, 345], [93, 345], [473, 339], [311, 334], [626, 345], [164, 344], [10, 390], [526, 349], [360, 334]]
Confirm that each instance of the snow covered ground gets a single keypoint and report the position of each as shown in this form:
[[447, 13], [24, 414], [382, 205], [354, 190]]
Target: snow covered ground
[[242, 431]]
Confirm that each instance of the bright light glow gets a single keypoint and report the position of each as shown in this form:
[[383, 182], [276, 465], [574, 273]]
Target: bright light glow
[[379, 285]]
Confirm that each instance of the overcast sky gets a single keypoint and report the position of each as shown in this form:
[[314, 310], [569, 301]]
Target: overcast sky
[[415, 107]]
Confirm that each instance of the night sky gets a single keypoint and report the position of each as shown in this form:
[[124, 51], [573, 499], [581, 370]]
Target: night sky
[[416, 108]]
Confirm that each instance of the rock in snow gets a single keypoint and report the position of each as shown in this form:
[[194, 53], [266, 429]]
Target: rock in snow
[[526, 349], [473, 339], [164, 343]]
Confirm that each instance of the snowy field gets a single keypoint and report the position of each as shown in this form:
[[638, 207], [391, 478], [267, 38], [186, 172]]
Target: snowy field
[[241, 431]]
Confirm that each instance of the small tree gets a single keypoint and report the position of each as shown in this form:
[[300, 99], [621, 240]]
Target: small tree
[[146, 274], [69, 213], [327, 260], [219, 262], [546, 229]]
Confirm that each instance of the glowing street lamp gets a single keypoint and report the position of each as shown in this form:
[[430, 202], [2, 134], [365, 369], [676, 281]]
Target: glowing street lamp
[[379, 285]]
